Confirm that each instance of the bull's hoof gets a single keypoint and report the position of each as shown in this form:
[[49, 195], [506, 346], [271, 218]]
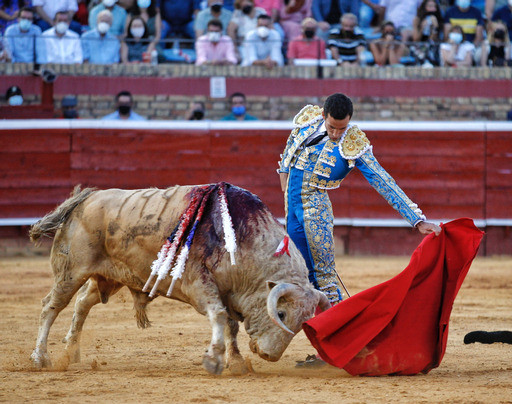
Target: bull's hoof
[[237, 366], [73, 354], [213, 365], [488, 337], [41, 361]]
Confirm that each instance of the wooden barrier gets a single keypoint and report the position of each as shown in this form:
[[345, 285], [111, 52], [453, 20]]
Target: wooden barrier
[[451, 170]]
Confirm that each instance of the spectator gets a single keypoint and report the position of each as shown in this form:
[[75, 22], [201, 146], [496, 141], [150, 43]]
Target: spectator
[[456, 51], [21, 37], [82, 14], [347, 43], [47, 10], [99, 46], [307, 45], [496, 49], [291, 15], [197, 111], [118, 17], [8, 12], [215, 11], [238, 109], [367, 16], [262, 46], [388, 49], [59, 44], [124, 112], [468, 18], [68, 107], [137, 42], [327, 13], [215, 48], [178, 18], [400, 12], [150, 13], [14, 96], [271, 8], [5, 56], [244, 20], [504, 14], [428, 23]]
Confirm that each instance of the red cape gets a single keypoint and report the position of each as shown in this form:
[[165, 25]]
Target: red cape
[[400, 327]]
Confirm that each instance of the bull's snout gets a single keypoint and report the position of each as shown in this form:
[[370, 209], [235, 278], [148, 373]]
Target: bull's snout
[[253, 345]]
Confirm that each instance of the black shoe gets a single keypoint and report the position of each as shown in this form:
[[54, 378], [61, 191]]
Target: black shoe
[[312, 361]]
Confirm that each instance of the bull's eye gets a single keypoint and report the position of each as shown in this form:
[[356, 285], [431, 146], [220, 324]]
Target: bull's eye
[[282, 315]]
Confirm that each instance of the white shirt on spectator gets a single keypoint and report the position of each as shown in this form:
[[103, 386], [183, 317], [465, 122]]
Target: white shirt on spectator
[[400, 12], [51, 7], [463, 50], [256, 48], [62, 50]]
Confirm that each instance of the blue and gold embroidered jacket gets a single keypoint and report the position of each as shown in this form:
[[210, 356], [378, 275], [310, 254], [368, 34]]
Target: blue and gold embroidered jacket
[[330, 162]]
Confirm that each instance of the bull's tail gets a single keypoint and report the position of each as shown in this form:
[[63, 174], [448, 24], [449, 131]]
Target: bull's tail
[[50, 223]]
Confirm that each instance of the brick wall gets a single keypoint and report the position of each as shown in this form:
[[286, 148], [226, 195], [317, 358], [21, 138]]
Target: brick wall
[[380, 94]]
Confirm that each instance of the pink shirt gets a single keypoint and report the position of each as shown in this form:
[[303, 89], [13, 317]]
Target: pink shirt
[[301, 49], [268, 5], [207, 51]]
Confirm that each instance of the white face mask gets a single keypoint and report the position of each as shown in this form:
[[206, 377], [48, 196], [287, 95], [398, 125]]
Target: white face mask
[[61, 27], [214, 36], [455, 37], [103, 27], [15, 100], [143, 3], [463, 3], [137, 32], [263, 32], [25, 24], [109, 3]]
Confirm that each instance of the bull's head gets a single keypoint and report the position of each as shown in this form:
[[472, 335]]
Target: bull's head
[[288, 306]]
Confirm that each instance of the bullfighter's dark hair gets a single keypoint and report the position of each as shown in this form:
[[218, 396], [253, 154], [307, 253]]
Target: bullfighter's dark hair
[[338, 106]]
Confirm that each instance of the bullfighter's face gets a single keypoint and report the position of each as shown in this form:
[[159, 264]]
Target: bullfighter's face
[[336, 127]]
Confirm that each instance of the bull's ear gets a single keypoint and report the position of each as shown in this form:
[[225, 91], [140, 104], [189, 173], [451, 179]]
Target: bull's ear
[[271, 285]]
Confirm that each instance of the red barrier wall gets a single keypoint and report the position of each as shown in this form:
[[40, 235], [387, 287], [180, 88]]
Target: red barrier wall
[[450, 173]]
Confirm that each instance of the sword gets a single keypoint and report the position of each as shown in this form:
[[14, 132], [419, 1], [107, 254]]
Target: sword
[[342, 284]]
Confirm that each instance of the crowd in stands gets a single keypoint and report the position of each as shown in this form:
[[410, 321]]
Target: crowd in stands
[[265, 33]]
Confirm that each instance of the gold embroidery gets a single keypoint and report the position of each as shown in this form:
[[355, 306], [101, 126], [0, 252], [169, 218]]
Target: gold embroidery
[[307, 116], [354, 143]]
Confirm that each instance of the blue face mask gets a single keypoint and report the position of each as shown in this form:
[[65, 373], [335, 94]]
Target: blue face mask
[[238, 110], [15, 100], [25, 24]]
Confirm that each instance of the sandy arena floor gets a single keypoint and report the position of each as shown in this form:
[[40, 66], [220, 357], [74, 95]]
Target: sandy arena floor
[[123, 364]]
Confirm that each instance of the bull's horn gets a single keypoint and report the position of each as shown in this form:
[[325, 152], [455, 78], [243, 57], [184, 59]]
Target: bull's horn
[[277, 292], [323, 302]]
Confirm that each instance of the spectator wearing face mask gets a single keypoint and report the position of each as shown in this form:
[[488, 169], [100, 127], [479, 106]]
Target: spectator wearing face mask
[[244, 20], [59, 44], [137, 42], [291, 15], [21, 37], [68, 107], [504, 14], [197, 111], [347, 43], [262, 46], [118, 16], [124, 112], [238, 109], [467, 17], [455, 51], [307, 45], [149, 11], [99, 46], [14, 96], [496, 48], [46, 11], [215, 48], [214, 11]]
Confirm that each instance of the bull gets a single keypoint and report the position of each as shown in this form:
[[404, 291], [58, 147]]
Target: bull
[[107, 239]]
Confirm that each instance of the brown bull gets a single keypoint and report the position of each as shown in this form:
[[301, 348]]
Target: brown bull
[[110, 238]]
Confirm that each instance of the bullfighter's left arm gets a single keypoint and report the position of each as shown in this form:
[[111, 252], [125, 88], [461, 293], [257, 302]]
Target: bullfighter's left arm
[[387, 187]]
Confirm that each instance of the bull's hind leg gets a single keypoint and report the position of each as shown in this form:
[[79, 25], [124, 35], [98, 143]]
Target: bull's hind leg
[[63, 290], [94, 291], [235, 362]]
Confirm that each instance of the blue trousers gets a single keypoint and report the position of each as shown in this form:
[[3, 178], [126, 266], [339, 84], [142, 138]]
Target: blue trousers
[[309, 223]]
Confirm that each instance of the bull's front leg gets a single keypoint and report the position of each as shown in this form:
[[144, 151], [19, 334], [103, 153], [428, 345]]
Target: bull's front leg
[[235, 362], [213, 359]]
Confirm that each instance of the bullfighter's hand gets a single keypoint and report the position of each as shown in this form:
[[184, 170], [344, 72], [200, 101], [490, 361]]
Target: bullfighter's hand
[[427, 228], [283, 177]]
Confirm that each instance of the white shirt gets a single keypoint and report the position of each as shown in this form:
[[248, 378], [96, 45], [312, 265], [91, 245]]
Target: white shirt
[[51, 7], [462, 51], [61, 50], [256, 48], [400, 12]]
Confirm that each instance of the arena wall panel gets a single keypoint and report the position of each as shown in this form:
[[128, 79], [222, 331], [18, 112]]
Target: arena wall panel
[[448, 171]]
